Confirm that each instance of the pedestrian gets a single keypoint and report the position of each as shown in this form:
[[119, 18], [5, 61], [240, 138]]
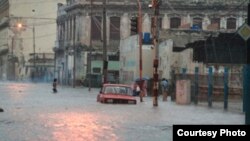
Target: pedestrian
[[1, 109], [164, 85], [145, 93], [138, 90], [133, 86], [54, 85]]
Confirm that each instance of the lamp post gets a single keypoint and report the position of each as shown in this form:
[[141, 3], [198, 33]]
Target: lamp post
[[34, 48], [105, 62], [74, 53], [19, 26], [11, 73], [90, 45]]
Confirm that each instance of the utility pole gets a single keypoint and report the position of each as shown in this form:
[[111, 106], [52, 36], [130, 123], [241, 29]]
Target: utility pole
[[140, 44], [34, 51], [12, 46], [74, 53], [34, 48], [90, 45], [155, 6], [247, 77], [140, 37], [105, 62], [12, 73]]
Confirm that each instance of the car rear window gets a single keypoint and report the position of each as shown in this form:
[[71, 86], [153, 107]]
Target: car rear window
[[118, 90]]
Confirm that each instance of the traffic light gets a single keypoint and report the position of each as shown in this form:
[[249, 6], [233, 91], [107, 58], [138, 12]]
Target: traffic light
[[134, 24]]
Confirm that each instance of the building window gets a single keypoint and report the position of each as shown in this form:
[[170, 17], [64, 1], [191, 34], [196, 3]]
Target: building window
[[215, 24], [113, 58], [124, 61], [160, 22], [96, 27], [197, 23], [231, 23], [71, 29], [96, 70], [68, 2], [115, 28], [175, 22]]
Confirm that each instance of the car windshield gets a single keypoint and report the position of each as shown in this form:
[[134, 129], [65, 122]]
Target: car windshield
[[118, 90]]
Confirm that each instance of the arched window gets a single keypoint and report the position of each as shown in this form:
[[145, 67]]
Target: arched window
[[197, 23], [96, 27], [215, 23], [115, 28], [160, 22], [231, 23], [175, 22]]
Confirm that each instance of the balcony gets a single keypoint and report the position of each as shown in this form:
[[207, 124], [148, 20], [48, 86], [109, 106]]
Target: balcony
[[4, 48], [4, 22], [42, 58], [12, 58]]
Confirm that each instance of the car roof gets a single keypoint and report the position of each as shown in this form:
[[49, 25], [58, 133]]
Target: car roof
[[121, 85]]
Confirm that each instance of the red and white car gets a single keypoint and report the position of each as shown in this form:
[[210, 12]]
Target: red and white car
[[116, 93]]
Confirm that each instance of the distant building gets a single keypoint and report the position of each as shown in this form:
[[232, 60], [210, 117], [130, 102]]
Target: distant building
[[182, 21], [27, 38]]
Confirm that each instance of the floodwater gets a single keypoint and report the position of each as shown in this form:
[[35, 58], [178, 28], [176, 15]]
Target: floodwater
[[33, 113]]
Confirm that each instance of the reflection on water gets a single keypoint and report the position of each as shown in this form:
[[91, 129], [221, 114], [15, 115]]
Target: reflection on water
[[17, 91], [81, 127]]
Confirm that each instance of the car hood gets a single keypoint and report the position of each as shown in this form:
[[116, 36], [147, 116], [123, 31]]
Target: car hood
[[118, 96]]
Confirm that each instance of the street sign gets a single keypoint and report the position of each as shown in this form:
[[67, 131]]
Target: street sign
[[244, 31]]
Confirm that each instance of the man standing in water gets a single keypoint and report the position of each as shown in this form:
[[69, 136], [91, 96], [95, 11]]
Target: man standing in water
[[54, 85]]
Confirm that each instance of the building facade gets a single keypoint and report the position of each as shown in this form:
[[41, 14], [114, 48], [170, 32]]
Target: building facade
[[4, 43], [80, 26], [28, 34]]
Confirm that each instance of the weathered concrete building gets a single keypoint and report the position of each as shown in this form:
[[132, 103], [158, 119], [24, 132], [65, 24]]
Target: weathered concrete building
[[193, 27], [80, 28], [184, 23], [27, 38]]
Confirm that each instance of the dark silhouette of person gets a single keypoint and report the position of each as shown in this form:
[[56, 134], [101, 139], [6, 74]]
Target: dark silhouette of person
[[54, 85]]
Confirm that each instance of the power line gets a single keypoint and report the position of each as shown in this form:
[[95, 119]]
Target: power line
[[35, 18], [41, 36], [45, 23], [116, 28], [97, 23], [37, 37], [35, 2], [237, 7], [45, 14]]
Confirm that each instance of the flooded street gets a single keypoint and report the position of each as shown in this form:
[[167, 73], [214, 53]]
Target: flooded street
[[33, 113]]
